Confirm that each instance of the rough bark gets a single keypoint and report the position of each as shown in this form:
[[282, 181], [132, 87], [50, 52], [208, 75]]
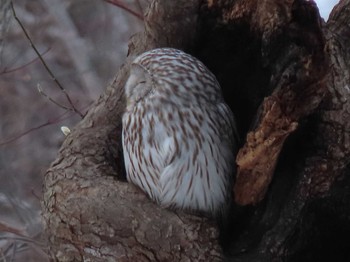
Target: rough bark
[[285, 74], [90, 215]]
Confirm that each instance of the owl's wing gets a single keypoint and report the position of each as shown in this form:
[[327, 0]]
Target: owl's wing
[[197, 158]]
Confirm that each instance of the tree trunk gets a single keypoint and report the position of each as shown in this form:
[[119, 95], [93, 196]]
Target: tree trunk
[[285, 74]]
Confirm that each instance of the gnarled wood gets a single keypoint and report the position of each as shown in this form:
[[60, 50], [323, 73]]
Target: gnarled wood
[[89, 214], [285, 74]]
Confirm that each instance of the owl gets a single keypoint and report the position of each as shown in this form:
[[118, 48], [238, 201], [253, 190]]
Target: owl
[[179, 136]]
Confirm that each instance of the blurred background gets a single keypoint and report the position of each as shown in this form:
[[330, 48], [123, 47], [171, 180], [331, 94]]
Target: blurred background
[[83, 42]]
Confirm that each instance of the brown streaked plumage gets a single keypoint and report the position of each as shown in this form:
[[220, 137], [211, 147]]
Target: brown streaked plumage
[[179, 136]]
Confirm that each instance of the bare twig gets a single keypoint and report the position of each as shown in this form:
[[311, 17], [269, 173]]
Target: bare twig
[[35, 194], [14, 251], [41, 92], [7, 228], [23, 239], [123, 6], [73, 108], [17, 244], [49, 122], [11, 249], [2, 256], [77, 48], [139, 5], [6, 70]]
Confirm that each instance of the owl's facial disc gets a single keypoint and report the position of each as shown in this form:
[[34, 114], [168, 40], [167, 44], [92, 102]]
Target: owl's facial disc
[[138, 85]]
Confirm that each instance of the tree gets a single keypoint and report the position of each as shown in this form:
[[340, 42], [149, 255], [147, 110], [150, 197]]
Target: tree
[[284, 72]]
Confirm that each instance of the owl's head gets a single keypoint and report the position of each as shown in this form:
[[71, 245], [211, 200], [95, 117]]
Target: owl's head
[[173, 76], [138, 85]]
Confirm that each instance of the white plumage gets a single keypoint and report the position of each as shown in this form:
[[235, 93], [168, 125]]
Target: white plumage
[[178, 134]]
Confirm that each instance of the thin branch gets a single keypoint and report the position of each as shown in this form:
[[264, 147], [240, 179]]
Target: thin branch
[[73, 108], [139, 5], [23, 239], [123, 6], [49, 122], [6, 71], [6, 228], [3, 258], [14, 252], [41, 92], [35, 195]]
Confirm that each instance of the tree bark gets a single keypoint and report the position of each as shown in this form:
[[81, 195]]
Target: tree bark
[[285, 74]]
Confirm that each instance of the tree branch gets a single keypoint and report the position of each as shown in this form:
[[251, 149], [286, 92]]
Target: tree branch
[[73, 108]]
